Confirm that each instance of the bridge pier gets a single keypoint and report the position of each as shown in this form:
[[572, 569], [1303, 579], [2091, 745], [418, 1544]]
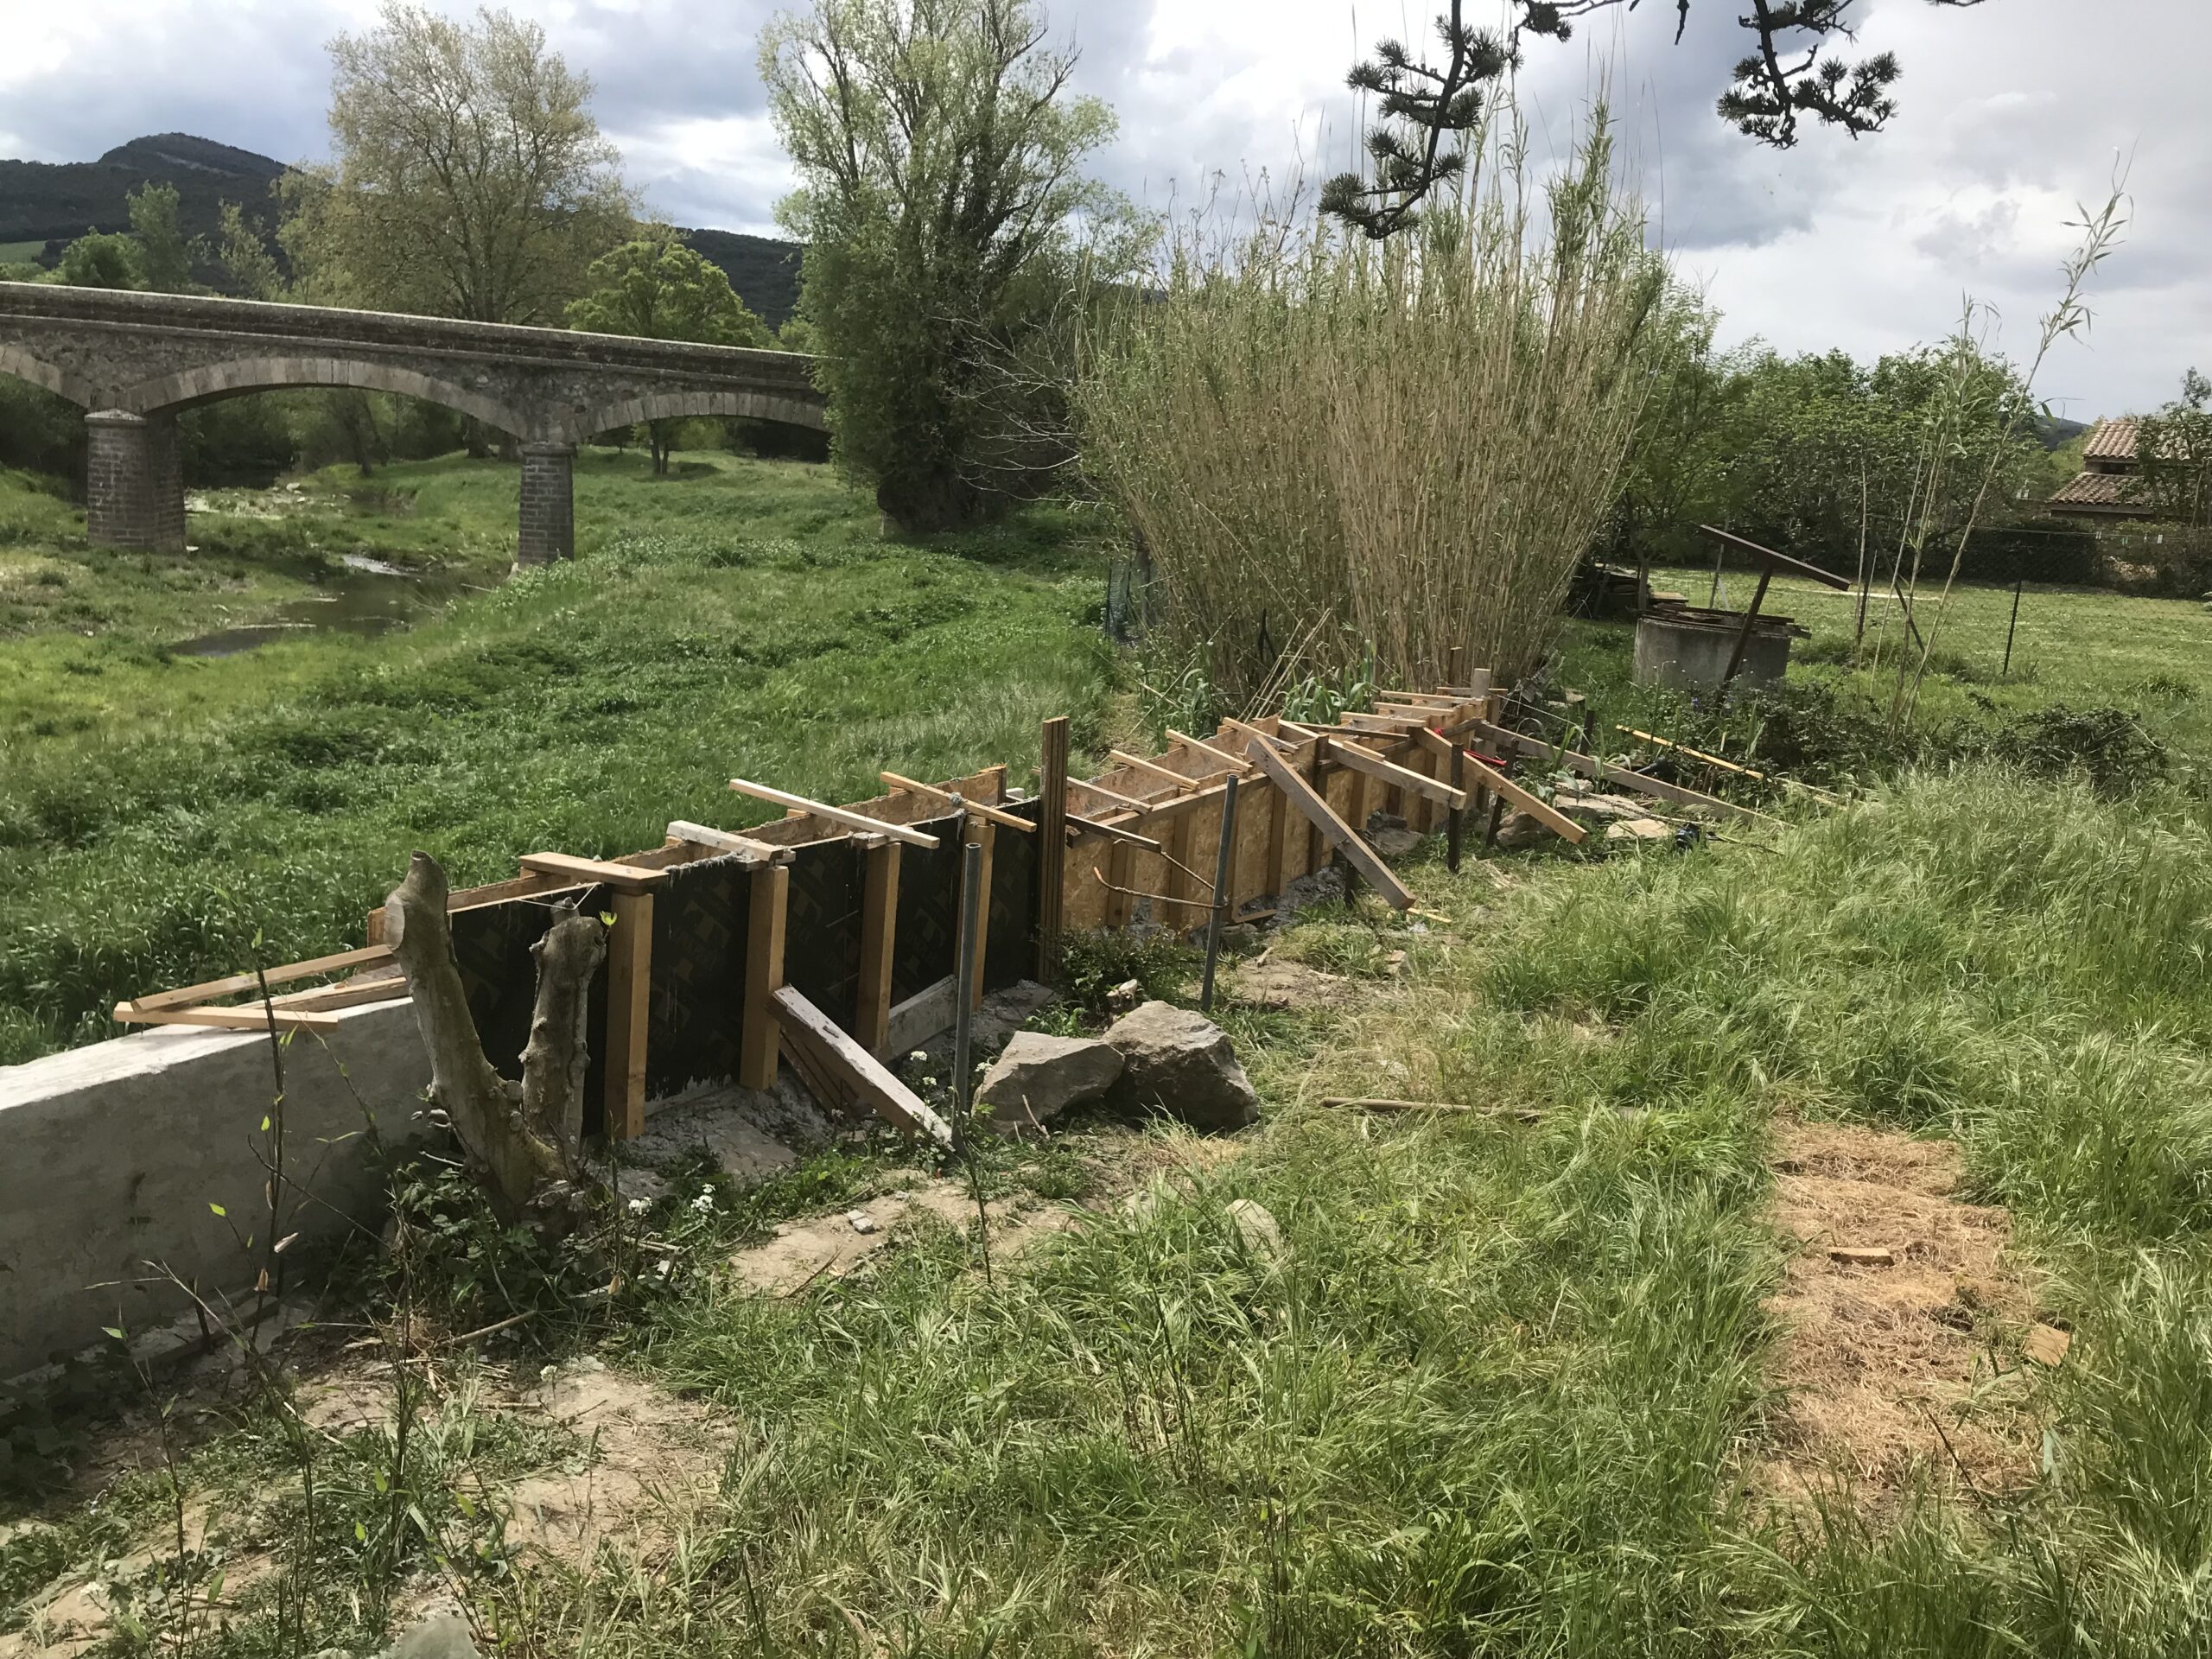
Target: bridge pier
[[134, 481], [549, 504]]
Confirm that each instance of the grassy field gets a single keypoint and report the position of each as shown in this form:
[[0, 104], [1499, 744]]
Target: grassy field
[[743, 617], [1500, 1389]]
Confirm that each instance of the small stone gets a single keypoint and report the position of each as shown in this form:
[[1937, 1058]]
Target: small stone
[[1395, 843], [1039, 1076], [1863, 1256], [1519, 830], [1257, 1230], [1181, 1063], [1125, 994], [862, 1222], [445, 1637], [1240, 938], [2047, 1345]]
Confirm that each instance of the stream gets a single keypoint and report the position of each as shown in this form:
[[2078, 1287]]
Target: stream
[[368, 597]]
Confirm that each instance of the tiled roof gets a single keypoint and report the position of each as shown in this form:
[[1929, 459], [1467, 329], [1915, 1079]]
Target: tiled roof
[[2113, 440], [2108, 491]]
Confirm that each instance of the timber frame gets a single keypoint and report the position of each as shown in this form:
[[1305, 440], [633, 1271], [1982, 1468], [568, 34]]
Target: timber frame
[[1128, 845]]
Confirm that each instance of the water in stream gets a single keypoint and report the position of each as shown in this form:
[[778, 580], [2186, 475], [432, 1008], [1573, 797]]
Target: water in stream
[[369, 597]]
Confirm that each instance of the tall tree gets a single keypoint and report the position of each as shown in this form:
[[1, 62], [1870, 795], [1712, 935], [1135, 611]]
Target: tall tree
[[661, 290], [941, 199], [1792, 73], [469, 178], [2173, 450], [164, 255]]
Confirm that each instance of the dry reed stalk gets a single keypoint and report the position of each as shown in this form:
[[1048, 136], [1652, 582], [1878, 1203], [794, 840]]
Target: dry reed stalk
[[1393, 448]]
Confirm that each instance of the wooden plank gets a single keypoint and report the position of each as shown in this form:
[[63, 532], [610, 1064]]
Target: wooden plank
[[1361, 759], [831, 1051], [1268, 738], [1103, 793], [879, 932], [355, 993], [1235, 763], [1278, 836], [623, 878], [629, 1009], [837, 815], [764, 976], [1051, 848], [700, 835], [1779, 561], [1301, 794], [1175, 864], [234, 983], [949, 798], [1359, 719], [985, 835], [249, 1018], [1599, 772], [1180, 779], [1117, 882]]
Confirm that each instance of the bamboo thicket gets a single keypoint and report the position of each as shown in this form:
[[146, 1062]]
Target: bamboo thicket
[[1330, 447]]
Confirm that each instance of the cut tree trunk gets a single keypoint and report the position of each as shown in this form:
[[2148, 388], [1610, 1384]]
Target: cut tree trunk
[[525, 1139]]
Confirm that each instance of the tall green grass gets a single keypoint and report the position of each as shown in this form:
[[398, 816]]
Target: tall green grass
[[1498, 1396], [746, 622]]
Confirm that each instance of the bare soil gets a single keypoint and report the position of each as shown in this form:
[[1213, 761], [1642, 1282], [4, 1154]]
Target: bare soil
[[1890, 1372]]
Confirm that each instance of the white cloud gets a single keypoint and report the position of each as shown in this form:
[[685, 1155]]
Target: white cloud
[[2012, 112]]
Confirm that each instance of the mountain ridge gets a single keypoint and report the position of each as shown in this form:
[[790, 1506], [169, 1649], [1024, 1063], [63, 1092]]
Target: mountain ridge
[[51, 203]]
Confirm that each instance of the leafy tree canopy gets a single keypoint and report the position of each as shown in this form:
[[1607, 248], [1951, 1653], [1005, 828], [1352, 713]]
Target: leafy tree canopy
[[470, 179], [942, 199]]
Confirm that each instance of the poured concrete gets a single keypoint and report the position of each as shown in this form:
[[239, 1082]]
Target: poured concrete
[[1687, 653], [111, 1157]]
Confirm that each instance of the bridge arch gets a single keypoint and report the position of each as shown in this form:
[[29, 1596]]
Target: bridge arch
[[692, 402], [16, 361], [237, 376]]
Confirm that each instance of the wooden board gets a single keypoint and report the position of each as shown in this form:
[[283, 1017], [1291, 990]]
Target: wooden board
[[623, 878], [947, 798], [700, 835], [837, 814], [831, 1053], [1535, 806], [234, 983], [629, 1005], [764, 976], [879, 935], [1301, 794], [246, 1019], [1599, 772], [1360, 758]]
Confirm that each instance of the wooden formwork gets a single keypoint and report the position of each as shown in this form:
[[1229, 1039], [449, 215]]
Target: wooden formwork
[[1142, 837]]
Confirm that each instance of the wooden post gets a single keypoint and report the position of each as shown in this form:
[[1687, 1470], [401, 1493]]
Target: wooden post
[[1317, 775], [1455, 826], [1174, 882], [879, 931], [1277, 814], [1750, 621], [1051, 848], [629, 1011], [1117, 878], [764, 976], [1455, 665], [982, 832]]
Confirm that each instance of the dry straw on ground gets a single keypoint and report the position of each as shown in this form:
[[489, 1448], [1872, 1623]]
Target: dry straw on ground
[[1329, 445]]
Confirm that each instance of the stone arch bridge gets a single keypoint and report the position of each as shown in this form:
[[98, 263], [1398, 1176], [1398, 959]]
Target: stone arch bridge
[[132, 360]]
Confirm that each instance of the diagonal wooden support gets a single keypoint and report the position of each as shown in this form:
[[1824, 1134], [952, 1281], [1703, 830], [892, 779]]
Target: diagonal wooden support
[[1359, 758], [1301, 794], [829, 1052]]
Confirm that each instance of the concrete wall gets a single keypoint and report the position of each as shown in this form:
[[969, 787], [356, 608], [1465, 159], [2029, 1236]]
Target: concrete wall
[[110, 1155]]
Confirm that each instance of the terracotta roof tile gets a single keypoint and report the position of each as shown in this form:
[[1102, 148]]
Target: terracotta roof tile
[[2114, 492], [2113, 440]]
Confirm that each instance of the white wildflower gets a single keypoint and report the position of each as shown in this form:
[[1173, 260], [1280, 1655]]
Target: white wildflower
[[638, 1206]]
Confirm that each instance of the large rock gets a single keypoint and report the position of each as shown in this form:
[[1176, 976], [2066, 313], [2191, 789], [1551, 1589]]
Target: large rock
[[1037, 1078], [444, 1637], [1181, 1063]]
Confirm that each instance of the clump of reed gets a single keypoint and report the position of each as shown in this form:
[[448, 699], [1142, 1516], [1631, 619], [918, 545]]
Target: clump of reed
[[1329, 446]]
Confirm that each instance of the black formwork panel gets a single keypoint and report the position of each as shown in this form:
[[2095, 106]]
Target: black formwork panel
[[928, 932], [1010, 946], [821, 925], [490, 946], [697, 1010]]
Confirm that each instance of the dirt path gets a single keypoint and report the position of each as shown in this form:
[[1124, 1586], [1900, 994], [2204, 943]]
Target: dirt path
[[1905, 1323]]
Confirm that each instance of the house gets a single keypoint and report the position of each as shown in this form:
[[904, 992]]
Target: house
[[2109, 483]]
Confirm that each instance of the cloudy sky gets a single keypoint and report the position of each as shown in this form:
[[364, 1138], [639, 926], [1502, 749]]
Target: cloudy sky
[[2012, 114]]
